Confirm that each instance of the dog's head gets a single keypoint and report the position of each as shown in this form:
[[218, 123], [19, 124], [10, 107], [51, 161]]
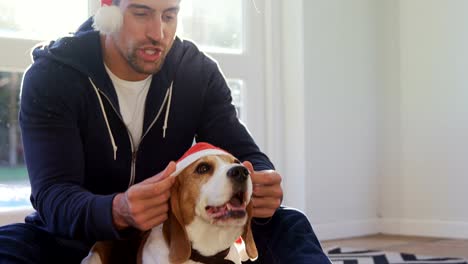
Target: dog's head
[[211, 199]]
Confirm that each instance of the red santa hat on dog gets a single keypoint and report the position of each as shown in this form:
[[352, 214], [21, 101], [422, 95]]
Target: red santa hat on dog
[[108, 18], [197, 151]]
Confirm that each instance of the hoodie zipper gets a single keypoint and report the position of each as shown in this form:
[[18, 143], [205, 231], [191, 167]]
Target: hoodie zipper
[[135, 151], [133, 166]]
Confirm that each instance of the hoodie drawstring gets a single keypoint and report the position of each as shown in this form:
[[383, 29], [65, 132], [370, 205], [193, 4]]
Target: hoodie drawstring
[[114, 146], [168, 108]]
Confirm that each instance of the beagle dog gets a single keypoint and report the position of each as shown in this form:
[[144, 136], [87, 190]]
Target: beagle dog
[[209, 217]]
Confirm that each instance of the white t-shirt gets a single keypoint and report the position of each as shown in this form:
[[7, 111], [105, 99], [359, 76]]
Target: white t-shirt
[[132, 98]]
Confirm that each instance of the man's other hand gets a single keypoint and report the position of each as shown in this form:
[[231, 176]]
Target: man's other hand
[[267, 191]]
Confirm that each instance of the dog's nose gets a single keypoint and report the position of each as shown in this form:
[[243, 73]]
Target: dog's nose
[[238, 173]]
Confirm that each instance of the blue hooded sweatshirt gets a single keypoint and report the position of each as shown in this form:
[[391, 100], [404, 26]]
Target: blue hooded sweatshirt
[[78, 151]]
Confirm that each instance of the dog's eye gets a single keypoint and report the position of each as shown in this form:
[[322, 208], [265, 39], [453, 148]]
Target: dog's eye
[[237, 161], [203, 168]]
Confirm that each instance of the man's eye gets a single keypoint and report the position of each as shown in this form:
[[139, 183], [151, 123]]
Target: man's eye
[[169, 18], [203, 168], [140, 12]]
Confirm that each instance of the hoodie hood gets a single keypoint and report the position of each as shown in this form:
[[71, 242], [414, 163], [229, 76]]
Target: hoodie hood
[[78, 51]]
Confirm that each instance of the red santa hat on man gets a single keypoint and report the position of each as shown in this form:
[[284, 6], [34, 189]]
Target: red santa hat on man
[[108, 18], [197, 151]]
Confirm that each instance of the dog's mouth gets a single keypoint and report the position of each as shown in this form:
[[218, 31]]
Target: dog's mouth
[[236, 207]]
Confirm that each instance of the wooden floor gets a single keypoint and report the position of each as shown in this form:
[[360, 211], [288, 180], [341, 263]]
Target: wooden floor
[[416, 245]]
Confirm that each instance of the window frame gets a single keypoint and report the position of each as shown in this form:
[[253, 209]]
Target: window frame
[[248, 66]]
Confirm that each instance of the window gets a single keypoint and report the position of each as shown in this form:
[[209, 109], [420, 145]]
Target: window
[[14, 185], [215, 25], [21, 19], [237, 96], [22, 27]]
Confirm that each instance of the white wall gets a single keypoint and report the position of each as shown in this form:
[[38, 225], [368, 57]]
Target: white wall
[[384, 101], [341, 115], [428, 194], [329, 63]]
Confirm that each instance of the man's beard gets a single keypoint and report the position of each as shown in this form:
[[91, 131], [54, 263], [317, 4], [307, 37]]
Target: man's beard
[[142, 68]]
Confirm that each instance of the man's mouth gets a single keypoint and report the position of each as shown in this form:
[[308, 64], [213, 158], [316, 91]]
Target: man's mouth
[[150, 54], [236, 207]]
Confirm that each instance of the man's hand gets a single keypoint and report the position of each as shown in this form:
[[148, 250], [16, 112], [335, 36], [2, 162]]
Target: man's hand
[[267, 191], [144, 205]]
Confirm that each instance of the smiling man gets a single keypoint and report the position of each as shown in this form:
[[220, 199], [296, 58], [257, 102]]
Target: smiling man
[[105, 112]]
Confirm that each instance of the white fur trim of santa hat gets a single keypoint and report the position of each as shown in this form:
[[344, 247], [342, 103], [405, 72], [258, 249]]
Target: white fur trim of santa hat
[[108, 18], [197, 151]]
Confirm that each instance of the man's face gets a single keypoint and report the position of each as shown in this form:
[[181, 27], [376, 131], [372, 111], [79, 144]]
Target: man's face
[[147, 34]]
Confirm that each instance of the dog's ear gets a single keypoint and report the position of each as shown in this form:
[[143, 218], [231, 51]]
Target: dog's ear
[[174, 230], [247, 236]]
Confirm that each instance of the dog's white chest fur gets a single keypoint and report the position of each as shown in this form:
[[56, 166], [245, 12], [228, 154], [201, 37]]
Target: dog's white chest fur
[[155, 250]]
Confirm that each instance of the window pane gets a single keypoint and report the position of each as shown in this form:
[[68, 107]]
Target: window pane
[[45, 19], [14, 184], [236, 93], [215, 25]]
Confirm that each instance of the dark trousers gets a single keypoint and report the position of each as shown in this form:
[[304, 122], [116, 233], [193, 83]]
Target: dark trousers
[[285, 238]]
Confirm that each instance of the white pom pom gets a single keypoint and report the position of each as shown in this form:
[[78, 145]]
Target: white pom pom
[[108, 19]]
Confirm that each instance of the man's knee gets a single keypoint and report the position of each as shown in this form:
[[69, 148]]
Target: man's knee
[[19, 243], [26, 243], [288, 237]]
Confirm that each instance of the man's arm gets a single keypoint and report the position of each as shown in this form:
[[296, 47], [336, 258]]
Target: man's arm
[[55, 158], [221, 127]]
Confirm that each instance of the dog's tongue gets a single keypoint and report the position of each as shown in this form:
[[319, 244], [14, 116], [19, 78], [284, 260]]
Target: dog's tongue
[[234, 208]]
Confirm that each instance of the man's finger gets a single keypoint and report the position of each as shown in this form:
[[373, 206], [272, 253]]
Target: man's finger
[[155, 211], [266, 178], [158, 200], [271, 203], [249, 166], [149, 191], [267, 191], [156, 221], [147, 225]]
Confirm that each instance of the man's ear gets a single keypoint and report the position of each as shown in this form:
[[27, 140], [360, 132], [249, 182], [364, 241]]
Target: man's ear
[[247, 236], [174, 230]]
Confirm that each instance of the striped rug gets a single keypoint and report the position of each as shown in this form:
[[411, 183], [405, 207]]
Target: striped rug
[[355, 256]]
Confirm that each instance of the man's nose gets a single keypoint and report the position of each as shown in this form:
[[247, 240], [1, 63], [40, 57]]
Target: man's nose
[[238, 173], [155, 30]]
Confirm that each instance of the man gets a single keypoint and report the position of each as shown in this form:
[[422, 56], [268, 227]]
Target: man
[[103, 116]]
